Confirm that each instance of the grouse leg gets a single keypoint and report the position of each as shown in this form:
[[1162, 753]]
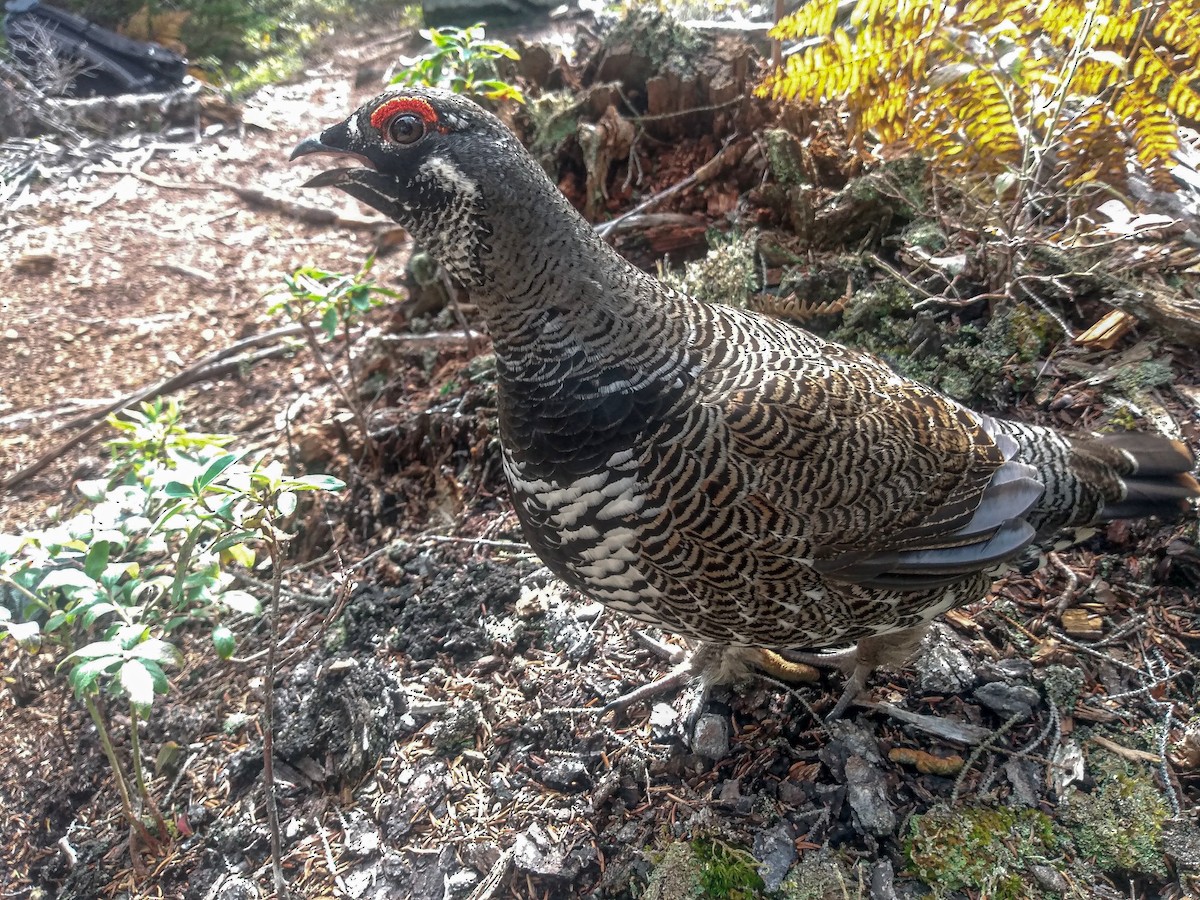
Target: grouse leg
[[710, 664], [857, 662]]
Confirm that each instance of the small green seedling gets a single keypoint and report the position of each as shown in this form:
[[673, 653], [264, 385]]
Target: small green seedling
[[462, 60]]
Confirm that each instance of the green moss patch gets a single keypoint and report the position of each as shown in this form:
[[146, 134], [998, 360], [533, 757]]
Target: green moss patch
[[982, 848]]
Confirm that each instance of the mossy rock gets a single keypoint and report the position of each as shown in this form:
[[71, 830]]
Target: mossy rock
[[982, 848], [728, 273], [825, 875], [1119, 823], [657, 41], [704, 869]]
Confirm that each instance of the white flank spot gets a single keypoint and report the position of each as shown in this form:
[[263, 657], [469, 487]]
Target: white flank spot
[[619, 458]]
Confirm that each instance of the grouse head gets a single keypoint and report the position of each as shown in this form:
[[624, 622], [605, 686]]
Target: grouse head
[[442, 167]]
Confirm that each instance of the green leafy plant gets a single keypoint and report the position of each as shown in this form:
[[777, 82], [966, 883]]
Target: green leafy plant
[[147, 554], [462, 60], [338, 301]]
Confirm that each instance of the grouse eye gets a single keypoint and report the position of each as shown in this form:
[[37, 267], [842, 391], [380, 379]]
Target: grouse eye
[[406, 129]]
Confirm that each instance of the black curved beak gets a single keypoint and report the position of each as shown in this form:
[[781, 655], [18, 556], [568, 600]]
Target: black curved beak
[[309, 146], [312, 146]]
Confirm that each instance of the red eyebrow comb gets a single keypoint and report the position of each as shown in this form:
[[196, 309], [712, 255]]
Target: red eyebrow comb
[[398, 105]]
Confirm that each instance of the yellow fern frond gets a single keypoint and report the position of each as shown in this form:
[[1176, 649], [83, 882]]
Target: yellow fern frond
[[1179, 29], [817, 17], [1098, 73], [1077, 88], [1184, 96], [1149, 72]]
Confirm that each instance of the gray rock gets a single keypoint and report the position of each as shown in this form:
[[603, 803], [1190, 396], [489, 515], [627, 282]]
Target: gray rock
[[362, 837], [534, 851], [883, 881], [457, 728], [237, 888], [1049, 878], [421, 791], [564, 773], [849, 739], [1013, 668], [461, 882], [942, 668], [1025, 777], [1181, 844], [1008, 699], [429, 873], [866, 792], [710, 738], [775, 850]]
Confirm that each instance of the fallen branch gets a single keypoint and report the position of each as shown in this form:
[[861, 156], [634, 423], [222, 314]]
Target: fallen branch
[[315, 215], [728, 155], [215, 365]]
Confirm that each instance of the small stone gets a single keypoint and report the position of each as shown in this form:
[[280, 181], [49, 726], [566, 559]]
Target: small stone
[[589, 612], [237, 888], [1008, 699], [457, 728], [460, 883], [710, 738], [11, 334], [535, 852], [883, 881], [361, 836], [1049, 878], [1181, 844], [849, 739], [942, 667], [866, 792], [792, 794], [775, 850], [564, 773], [1025, 777], [1082, 624]]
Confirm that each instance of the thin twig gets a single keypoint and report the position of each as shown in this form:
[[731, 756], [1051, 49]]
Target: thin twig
[[212, 366], [269, 720]]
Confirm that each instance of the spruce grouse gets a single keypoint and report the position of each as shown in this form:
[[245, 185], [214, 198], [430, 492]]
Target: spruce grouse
[[714, 472]]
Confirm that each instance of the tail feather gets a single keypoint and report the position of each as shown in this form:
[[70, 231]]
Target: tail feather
[[1153, 497], [1152, 474], [1150, 454], [1096, 478]]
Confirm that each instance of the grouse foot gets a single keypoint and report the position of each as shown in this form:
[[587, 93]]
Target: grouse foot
[[857, 662], [708, 665], [711, 665]]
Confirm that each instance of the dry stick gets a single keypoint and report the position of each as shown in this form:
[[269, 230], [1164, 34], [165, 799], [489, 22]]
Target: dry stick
[[701, 175], [317, 215], [269, 719], [314, 344], [211, 366]]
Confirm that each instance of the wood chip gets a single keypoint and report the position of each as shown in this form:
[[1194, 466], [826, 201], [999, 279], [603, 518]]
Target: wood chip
[[1123, 751], [1082, 625], [1107, 331]]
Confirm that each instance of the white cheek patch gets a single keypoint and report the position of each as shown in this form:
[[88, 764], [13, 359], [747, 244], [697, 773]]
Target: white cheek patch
[[440, 170], [352, 126]]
